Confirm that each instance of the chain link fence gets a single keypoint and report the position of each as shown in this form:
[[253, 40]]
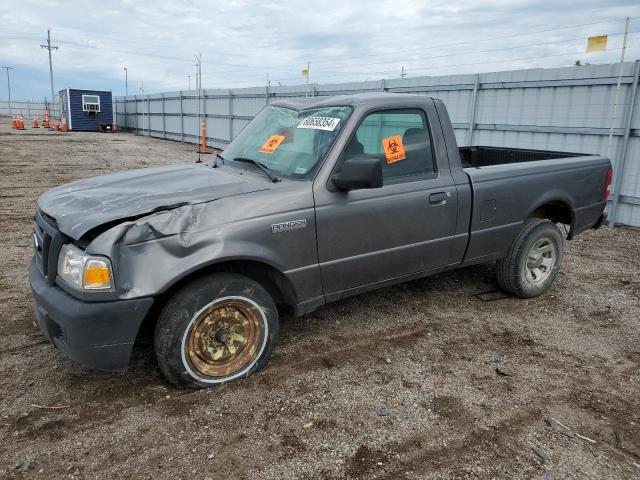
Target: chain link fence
[[28, 108]]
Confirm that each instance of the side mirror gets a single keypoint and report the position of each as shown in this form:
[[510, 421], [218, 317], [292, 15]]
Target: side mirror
[[358, 172]]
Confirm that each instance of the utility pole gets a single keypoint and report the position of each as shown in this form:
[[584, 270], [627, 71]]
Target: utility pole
[[142, 93], [618, 171], [403, 73], [8, 86], [615, 101], [49, 47], [126, 94]]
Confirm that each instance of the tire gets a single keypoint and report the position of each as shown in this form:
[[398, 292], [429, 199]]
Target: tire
[[215, 330], [533, 261]]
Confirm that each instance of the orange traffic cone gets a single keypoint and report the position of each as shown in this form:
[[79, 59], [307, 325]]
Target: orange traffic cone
[[203, 137], [20, 123], [56, 127], [46, 124], [65, 127], [14, 122], [35, 122]]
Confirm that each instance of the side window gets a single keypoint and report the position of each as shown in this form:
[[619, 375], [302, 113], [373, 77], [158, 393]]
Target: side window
[[399, 138]]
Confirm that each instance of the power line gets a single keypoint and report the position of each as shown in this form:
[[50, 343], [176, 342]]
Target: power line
[[492, 50], [342, 59], [431, 68], [489, 62], [479, 40], [155, 55], [342, 73], [241, 69]]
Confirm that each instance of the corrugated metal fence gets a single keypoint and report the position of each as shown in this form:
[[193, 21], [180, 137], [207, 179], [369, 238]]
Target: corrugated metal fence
[[566, 109]]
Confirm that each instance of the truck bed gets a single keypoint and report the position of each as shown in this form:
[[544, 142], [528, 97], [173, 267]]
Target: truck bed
[[510, 184], [477, 156]]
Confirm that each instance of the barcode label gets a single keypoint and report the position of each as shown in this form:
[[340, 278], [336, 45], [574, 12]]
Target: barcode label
[[320, 123]]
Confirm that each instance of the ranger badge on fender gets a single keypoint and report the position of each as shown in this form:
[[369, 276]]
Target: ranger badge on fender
[[290, 225]]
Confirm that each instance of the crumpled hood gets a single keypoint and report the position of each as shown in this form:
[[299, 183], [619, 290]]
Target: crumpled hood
[[85, 204]]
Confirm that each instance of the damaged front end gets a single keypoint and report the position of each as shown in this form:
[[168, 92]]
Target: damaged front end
[[142, 233], [122, 216], [87, 326], [103, 247], [145, 250]]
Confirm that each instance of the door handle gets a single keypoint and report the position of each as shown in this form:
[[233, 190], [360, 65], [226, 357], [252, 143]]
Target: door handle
[[439, 198]]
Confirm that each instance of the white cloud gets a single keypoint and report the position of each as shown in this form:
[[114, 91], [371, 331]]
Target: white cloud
[[242, 40]]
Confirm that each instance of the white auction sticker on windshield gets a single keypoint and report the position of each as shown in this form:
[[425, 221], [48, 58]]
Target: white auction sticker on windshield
[[320, 123]]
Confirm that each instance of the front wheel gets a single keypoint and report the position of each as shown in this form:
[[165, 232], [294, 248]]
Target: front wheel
[[533, 261], [217, 329]]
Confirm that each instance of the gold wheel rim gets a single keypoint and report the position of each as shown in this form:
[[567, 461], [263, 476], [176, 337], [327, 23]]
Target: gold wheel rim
[[224, 338]]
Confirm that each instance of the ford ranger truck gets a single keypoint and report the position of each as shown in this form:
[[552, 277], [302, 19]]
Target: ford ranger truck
[[316, 200]]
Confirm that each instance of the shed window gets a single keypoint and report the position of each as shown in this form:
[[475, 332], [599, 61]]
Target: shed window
[[90, 103]]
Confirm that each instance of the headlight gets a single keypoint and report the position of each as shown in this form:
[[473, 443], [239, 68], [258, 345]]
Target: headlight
[[84, 272]]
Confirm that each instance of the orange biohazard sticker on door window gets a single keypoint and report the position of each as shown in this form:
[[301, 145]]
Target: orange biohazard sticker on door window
[[393, 149], [272, 143]]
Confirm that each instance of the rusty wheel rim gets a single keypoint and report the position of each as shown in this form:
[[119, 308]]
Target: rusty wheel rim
[[224, 339]]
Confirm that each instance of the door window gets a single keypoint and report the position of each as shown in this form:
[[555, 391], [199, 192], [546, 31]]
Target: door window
[[399, 139]]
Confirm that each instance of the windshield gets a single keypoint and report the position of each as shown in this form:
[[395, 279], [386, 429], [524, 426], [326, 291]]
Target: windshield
[[289, 142]]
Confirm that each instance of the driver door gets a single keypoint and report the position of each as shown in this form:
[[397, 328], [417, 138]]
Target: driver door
[[372, 235]]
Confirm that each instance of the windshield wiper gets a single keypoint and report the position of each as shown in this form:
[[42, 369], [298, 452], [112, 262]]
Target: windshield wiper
[[260, 165]]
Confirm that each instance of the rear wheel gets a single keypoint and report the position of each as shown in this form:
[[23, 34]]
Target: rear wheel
[[215, 330], [533, 261]]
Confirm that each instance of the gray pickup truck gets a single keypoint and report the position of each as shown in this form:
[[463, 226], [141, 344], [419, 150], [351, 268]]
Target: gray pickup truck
[[316, 200]]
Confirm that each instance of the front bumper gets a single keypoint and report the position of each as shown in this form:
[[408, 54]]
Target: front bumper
[[96, 334]]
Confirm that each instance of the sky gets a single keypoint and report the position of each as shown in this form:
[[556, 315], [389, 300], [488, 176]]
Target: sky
[[249, 43]]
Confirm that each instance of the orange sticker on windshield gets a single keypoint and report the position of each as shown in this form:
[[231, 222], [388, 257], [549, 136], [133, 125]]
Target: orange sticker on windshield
[[393, 149], [272, 143]]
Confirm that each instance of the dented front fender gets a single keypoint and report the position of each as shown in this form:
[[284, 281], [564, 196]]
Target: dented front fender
[[152, 253]]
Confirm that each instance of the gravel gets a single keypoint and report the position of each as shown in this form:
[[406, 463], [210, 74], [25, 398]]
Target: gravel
[[403, 382]]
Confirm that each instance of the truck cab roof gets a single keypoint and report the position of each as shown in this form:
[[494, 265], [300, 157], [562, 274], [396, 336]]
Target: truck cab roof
[[372, 100]]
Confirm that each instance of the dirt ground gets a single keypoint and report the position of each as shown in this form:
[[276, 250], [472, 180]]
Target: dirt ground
[[422, 380]]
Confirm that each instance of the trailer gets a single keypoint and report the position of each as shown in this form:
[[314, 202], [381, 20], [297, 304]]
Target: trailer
[[87, 110]]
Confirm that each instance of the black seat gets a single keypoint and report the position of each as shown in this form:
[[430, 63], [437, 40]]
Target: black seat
[[416, 142], [418, 155]]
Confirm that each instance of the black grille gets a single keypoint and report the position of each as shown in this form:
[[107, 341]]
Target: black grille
[[38, 245], [47, 244]]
